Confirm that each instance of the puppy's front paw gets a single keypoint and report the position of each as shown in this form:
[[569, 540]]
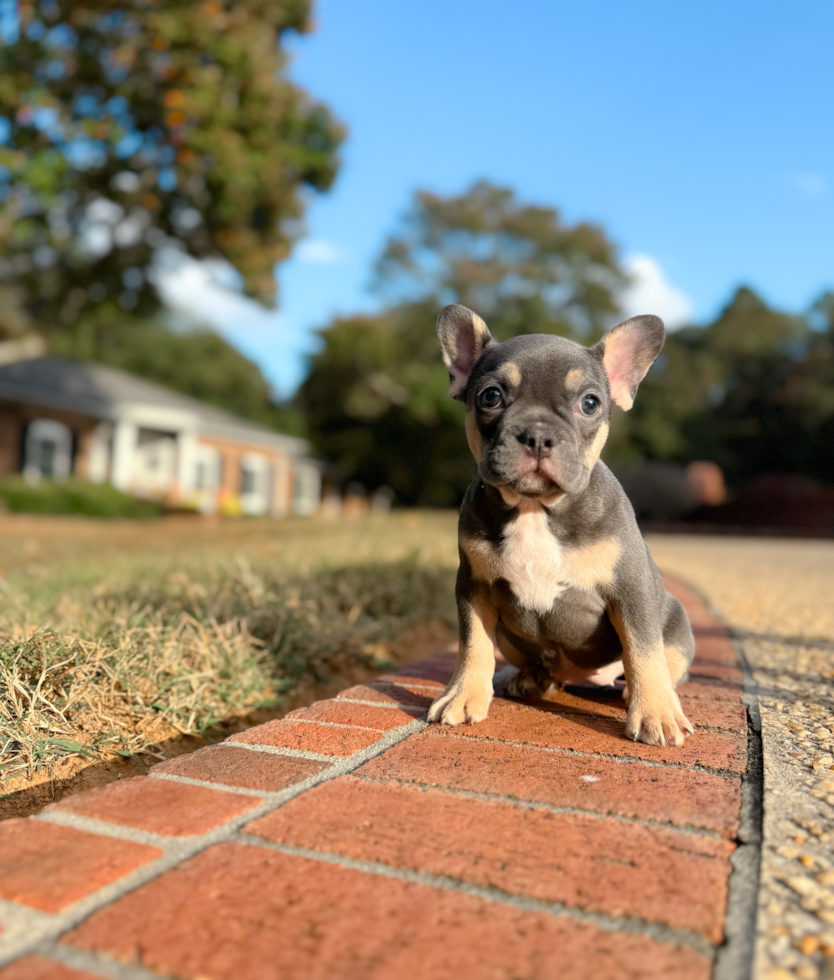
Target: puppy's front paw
[[657, 722], [464, 701]]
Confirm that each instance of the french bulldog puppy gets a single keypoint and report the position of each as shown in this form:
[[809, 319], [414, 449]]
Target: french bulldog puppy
[[553, 568]]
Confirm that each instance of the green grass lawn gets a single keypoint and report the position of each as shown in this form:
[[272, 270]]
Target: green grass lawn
[[114, 635]]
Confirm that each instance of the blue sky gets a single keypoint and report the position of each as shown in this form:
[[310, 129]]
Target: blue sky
[[699, 135]]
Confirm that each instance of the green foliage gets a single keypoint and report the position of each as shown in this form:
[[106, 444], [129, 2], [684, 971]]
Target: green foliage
[[134, 125], [517, 264], [376, 399], [753, 391], [73, 496]]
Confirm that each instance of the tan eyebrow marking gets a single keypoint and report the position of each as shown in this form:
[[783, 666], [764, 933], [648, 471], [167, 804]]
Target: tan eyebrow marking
[[575, 377], [512, 374]]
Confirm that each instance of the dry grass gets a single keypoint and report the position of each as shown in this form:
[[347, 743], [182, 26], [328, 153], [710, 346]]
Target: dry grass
[[113, 637]]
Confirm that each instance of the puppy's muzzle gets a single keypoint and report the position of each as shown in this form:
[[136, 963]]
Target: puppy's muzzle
[[538, 441]]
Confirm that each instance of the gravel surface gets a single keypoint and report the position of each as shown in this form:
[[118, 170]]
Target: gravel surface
[[778, 596]]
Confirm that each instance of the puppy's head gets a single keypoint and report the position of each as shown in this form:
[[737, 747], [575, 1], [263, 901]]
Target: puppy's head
[[538, 405]]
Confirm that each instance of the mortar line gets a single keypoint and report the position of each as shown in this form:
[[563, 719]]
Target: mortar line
[[94, 962], [329, 724], [603, 920], [735, 959], [172, 777], [103, 828], [379, 704], [541, 805], [377, 685], [25, 931], [621, 759], [292, 753]]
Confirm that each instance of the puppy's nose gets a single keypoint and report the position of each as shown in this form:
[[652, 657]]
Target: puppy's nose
[[537, 440]]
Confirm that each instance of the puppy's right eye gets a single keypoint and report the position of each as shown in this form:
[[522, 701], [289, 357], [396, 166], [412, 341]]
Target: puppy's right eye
[[490, 398]]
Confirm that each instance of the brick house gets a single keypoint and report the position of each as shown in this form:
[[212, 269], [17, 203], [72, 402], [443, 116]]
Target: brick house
[[60, 417]]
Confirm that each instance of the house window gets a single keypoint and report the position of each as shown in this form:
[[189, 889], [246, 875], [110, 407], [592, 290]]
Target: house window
[[248, 480], [254, 484], [306, 488], [207, 478], [48, 451]]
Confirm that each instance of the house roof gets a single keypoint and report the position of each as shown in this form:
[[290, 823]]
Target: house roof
[[109, 394]]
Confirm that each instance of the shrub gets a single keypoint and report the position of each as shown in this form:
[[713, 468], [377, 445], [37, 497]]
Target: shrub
[[73, 496]]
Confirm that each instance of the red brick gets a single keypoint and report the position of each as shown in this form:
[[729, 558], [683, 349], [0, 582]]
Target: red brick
[[158, 805], [308, 737], [439, 671], [412, 680], [702, 667], [308, 920], [49, 867], [386, 693], [593, 863], [696, 608], [40, 968], [230, 765], [538, 724], [711, 688], [382, 719], [663, 793], [700, 711], [714, 644]]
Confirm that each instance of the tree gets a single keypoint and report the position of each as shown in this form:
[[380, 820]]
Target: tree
[[518, 265], [752, 391], [376, 399], [127, 126]]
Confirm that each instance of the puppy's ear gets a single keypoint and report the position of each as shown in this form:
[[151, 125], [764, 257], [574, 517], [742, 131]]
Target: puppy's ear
[[627, 353], [463, 337]]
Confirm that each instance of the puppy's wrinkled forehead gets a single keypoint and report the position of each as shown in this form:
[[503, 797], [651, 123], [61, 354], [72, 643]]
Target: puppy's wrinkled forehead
[[542, 365]]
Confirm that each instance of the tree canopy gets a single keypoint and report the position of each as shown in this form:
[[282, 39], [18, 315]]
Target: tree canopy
[[127, 125], [518, 264], [376, 398], [752, 391]]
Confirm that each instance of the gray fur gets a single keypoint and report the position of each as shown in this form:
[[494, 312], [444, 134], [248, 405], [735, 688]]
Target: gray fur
[[537, 451]]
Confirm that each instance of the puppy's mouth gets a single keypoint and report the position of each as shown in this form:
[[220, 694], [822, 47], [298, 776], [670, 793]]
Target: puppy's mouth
[[534, 478]]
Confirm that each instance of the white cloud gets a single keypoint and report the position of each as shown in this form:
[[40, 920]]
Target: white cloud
[[651, 292], [811, 185], [208, 293], [316, 251]]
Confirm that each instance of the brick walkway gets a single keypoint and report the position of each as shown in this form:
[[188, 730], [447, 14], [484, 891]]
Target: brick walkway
[[352, 840]]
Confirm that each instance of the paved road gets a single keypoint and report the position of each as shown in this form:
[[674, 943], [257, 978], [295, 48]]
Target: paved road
[[779, 597]]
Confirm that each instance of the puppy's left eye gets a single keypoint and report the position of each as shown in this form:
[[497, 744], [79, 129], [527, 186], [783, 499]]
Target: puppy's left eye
[[589, 405], [490, 398]]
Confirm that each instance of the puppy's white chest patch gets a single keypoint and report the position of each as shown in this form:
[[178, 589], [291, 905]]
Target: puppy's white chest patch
[[531, 558]]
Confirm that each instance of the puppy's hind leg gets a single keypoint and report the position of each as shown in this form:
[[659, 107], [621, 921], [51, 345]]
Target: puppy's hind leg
[[532, 680]]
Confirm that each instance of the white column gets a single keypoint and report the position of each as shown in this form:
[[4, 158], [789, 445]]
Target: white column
[[125, 439], [98, 462], [186, 462], [307, 488]]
